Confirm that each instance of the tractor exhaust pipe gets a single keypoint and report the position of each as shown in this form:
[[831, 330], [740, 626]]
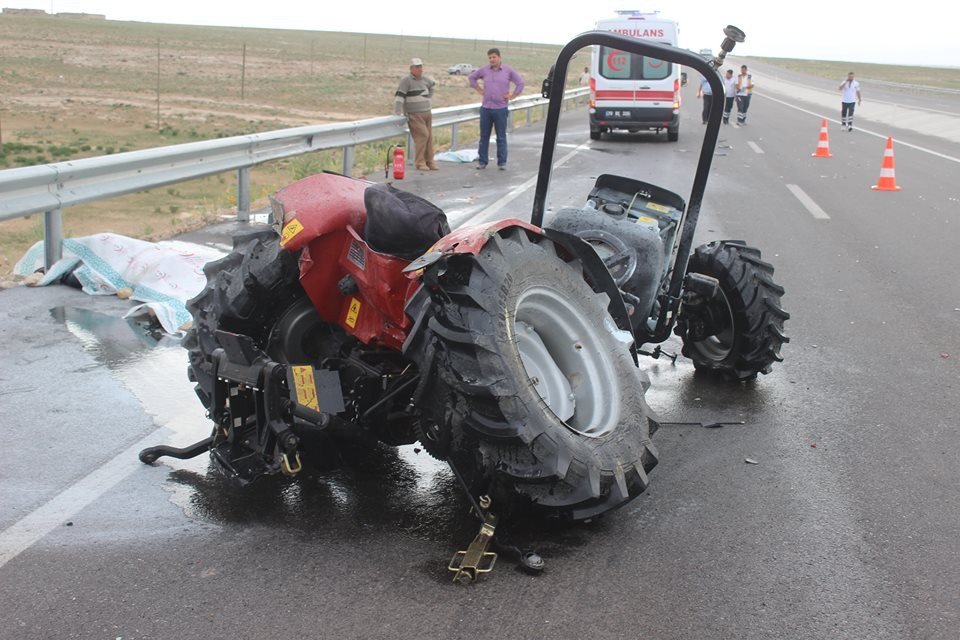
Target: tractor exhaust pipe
[[734, 35]]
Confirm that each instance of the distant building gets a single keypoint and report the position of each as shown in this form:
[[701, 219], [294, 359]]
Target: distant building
[[24, 12], [40, 12]]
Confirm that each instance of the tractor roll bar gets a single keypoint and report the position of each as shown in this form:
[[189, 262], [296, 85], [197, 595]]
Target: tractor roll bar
[[663, 52]]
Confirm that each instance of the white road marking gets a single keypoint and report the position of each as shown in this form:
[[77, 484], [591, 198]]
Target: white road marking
[[171, 404], [754, 146], [26, 531], [808, 202], [494, 209], [857, 128]]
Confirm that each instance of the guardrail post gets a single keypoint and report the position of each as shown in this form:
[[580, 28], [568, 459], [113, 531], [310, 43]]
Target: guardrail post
[[510, 121], [528, 115], [348, 155], [52, 237], [243, 194], [454, 130], [410, 148]]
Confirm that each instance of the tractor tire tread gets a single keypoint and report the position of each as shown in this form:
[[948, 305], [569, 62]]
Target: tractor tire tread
[[754, 299]]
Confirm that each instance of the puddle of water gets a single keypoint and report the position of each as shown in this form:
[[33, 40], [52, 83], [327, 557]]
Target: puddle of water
[[400, 487], [152, 366], [678, 392], [112, 340], [430, 472]]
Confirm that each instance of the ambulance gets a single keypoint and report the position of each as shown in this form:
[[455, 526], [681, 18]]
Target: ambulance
[[630, 91]]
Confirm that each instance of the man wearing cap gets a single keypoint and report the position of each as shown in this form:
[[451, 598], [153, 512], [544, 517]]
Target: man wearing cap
[[496, 93], [413, 100]]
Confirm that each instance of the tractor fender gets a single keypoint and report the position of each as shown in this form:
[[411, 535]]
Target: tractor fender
[[316, 206], [468, 239]]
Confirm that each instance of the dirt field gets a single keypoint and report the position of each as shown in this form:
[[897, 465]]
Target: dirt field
[[72, 88], [946, 78]]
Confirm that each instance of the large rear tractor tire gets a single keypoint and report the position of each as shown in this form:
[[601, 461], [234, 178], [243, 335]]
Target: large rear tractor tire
[[533, 392], [740, 332]]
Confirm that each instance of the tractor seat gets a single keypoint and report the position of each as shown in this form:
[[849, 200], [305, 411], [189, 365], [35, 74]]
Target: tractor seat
[[400, 223]]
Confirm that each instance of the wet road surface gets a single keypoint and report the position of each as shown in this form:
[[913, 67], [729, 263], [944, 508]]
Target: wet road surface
[[847, 527]]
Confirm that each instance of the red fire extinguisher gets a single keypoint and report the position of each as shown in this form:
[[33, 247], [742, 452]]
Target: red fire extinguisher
[[399, 161]]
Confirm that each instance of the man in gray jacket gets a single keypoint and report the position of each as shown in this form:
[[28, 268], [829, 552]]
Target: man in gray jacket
[[413, 100]]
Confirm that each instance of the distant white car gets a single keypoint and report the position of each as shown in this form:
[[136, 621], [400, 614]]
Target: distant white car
[[460, 69]]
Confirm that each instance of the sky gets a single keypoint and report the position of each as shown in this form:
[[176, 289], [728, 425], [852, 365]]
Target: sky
[[849, 30]]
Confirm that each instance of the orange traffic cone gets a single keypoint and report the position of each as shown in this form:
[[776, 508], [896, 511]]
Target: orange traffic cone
[[823, 145], [888, 181]]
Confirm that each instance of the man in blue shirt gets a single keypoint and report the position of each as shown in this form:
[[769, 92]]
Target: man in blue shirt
[[705, 92], [496, 93]]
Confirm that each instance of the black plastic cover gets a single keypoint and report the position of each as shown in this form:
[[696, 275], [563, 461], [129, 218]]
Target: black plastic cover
[[401, 223]]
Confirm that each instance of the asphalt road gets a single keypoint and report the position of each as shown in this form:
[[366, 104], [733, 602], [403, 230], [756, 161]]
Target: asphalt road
[[847, 527]]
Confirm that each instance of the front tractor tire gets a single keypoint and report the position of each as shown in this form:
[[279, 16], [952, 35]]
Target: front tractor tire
[[739, 333], [255, 291], [531, 385]]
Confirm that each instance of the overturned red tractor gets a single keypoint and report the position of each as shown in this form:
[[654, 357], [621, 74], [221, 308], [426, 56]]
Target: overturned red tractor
[[507, 349]]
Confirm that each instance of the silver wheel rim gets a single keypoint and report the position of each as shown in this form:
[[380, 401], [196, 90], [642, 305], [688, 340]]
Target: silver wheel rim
[[717, 348], [566, 356]]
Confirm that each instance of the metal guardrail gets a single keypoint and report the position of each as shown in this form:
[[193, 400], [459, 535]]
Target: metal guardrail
[[52, 187]]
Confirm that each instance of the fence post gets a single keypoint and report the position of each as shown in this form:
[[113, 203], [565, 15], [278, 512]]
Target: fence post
[[453, 136], [348, 155], [243, 194], [52, 237]]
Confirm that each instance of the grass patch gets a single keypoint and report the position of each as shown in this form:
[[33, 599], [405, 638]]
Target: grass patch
[[943, 78]]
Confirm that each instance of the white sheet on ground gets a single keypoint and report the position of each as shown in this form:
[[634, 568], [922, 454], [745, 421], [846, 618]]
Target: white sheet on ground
[[463, 155], [162, 275]]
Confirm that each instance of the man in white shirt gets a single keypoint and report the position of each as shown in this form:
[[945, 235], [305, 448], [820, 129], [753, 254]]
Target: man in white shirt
[[729, 93], [744, 93], [850, 97], [585, 77]]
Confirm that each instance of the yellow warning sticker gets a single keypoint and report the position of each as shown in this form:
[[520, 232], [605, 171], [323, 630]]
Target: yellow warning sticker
[[353, 313], [658, 207], [645, 220], [290, 231], [305, 386]]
